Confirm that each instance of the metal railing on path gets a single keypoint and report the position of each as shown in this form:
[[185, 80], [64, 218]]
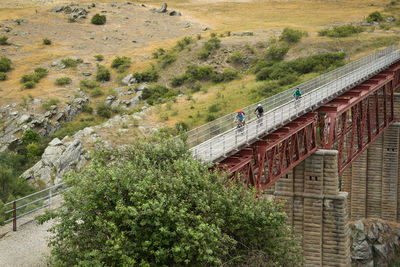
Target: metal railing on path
[[218, 138], [31, 203]]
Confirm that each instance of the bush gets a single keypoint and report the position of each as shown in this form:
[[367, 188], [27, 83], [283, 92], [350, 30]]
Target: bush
[[203, 54], [30, 136], [181, 44], [290, 35], [149, 75], [99, 57], [159, 52], [214, 108], [3, 40], [88, 84], [156, 205], [29, 85], [3, 76], [178, 80], [87, 109], [210, 117], [63, 81], [35, 78], [46, 41], [5, 64], [199, 73], [341, 31], [236, 57], [276, 53], [180, 126], [34, 151], [103, 74], [213, 44], [121, 63], [96, 92], [69, 62], [41, 72], [166, 59], [103, 110], [50, 102], [226, 76], [99, 19], [375, 16], [196, 87]]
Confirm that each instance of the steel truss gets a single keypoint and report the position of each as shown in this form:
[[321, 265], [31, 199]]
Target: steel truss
[[266, 160], [352, 121]]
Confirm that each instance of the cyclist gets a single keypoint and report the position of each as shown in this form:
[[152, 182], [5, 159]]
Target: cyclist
[[297, 93], [259, 110], [240, 118]]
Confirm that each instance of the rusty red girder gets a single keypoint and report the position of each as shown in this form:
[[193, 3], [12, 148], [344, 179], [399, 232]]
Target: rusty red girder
[[352, 121], [266, 160]]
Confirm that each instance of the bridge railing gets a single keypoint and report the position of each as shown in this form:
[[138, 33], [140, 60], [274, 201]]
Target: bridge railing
[[225, 123], [285, 108]]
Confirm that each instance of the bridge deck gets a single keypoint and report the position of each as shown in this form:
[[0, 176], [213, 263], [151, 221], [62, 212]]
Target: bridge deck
[[229, 142]]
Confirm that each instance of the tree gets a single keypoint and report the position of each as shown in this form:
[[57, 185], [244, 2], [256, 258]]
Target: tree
[[99, 19], [30, 136], [155, 205]]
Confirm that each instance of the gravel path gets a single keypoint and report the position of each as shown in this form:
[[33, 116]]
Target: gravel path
[[26, 247]]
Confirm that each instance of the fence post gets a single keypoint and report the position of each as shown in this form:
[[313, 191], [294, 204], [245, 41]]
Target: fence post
[[15, 216], [50, 198]]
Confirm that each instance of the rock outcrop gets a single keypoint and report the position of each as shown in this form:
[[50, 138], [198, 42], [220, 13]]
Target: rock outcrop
[[58, 159], [374, 242]]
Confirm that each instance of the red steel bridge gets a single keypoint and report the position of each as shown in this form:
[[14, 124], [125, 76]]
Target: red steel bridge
[[346, 111]]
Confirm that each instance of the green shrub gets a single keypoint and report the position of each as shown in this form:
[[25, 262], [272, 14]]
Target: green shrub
[[88, 84], [226, 76], [166, 59], [69, 62], [199, 73], [210, 117], [3, 40], [158, 94], [96, 92], [103, 74], [121, 63], [375, 16], [196, 87], [35, 78], [63, 81], [41, 72], [214, 108], [236, 57], [288, 79], [99, 19], [34, 150], [46, 41], [181, 44], [341, 31], [178, 80], [276, 53], [180, 126], [290, 35], [159, 52], [50, 102], [29, 85], [203, 54], [99, 57], [87, 109], [103, 110], [212, 44], [149, 75], [5, 64], [30, 136], [3, 76]]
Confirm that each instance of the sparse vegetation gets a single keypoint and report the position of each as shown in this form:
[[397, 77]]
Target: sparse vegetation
[[96, 92], [63, 81], [3, 40], [341, 31], [167, 59], [29, 85], [103, 74], [182, 44], [121, 64], [276, 52], [50, 102], [88, 84], [149, 75], [104, 110], [208, 47], [99, 57], [236, 57], [46, 41], [159, 52], [99, 19], [41, 72], [203, 73], [30, 80]]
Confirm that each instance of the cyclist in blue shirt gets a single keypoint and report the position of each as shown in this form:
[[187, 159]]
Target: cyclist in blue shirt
[[240, 117]]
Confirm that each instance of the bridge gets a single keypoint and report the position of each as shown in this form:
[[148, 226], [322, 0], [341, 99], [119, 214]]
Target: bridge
[[333, 156], [345, 109]]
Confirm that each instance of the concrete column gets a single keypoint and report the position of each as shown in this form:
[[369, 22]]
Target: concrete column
[[319, 210]]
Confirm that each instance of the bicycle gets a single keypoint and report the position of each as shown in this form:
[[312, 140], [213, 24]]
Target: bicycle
[[240, 126]]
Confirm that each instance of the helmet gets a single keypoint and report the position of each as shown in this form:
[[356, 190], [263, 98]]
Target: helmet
[[259, 105], [239, 111]]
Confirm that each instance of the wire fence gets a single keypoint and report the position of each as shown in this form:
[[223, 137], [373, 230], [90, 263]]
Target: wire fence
[[214, 128], [223, 138], [28, 204]]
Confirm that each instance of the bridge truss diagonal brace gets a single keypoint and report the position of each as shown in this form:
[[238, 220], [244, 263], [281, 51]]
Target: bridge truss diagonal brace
[[358, 118], [266, 160]]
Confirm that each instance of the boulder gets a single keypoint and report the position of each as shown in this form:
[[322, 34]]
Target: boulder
[[163, 8], [71, 154], [142, 86], [381, 250], [362, 251], [128, 80], [359, 225]]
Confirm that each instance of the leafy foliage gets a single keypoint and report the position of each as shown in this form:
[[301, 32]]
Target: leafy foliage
[[3, 76], [63, 81], [30, 136], [235, 58], [103, 110], [50, 102], [99, 57], [99, 19], [166, 59], [158, 94], [375, 16], [149, 75], [211, 45], [157, 206], [121, 63], [276, 53], [46, 41], [341, 31], [71, 63], [3, 40], [88, 84]]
